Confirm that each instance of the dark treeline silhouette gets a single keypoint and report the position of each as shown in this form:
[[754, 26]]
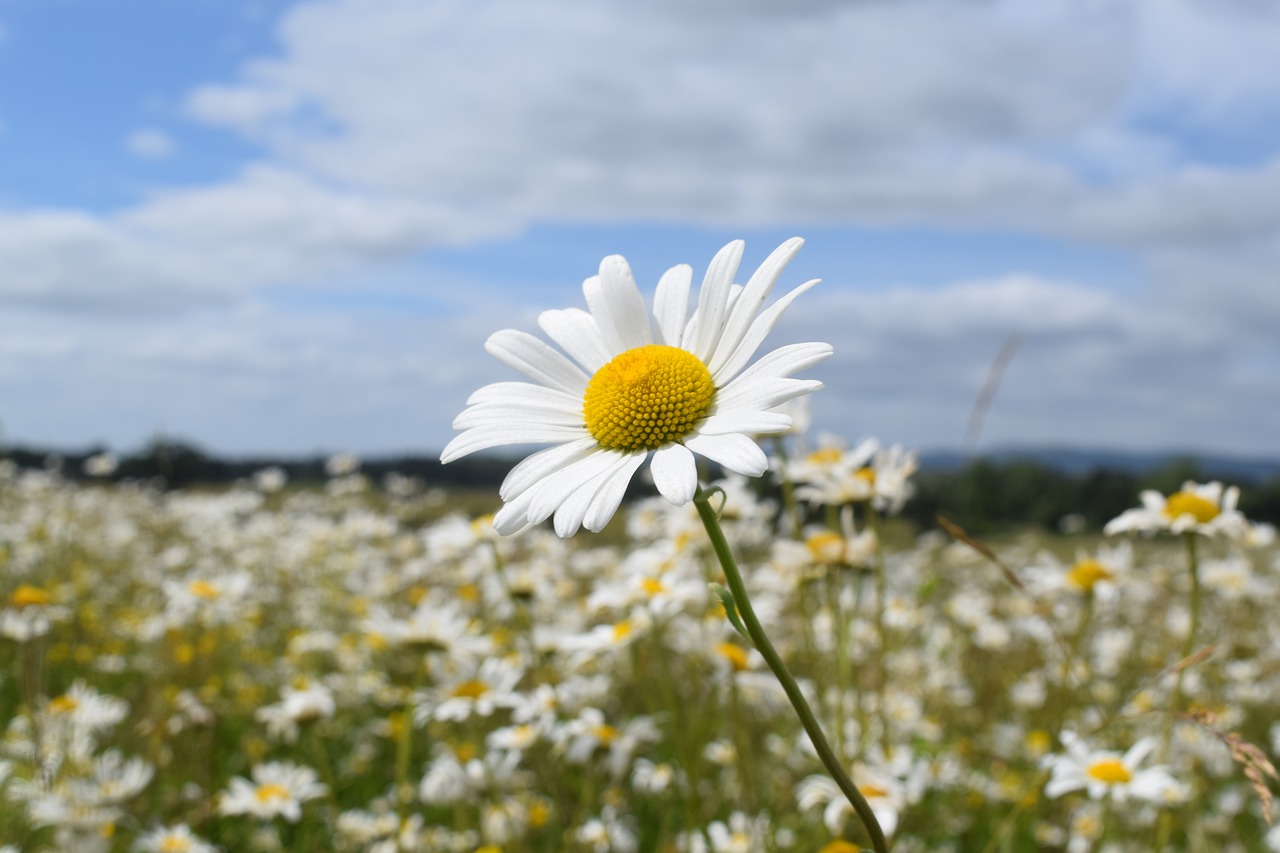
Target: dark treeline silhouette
[[983, 495]]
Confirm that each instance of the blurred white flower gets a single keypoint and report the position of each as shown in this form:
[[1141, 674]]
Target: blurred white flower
[[1105, 774]]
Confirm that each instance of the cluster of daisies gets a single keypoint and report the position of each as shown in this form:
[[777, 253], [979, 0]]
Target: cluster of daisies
[[367, 668]]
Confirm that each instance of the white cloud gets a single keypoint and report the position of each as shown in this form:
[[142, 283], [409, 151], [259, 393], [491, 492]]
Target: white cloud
[[150, 144], [387, 127]]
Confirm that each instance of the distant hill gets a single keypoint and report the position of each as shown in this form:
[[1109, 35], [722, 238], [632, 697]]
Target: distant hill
[[1079, 461]]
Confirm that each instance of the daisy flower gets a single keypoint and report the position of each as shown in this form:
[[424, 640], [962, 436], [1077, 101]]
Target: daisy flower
[[279, 788], [1204, 508], [1104, 774], [176, 839], [633, 381]]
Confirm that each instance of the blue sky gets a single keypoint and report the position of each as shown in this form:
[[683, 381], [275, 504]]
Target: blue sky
[[289, 226]]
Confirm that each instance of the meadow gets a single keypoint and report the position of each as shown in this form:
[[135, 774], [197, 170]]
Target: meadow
[[370, 667]]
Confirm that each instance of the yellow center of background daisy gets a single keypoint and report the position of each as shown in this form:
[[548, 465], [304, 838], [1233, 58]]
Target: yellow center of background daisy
[[647, 397], [1110, 770], [1086, 574], [1189, 503]]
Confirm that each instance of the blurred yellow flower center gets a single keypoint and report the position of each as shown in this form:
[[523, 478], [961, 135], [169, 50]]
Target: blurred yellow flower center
[[1110, 770], [271, 792], [866, 474], [63, 705], [872, 792], [28, 596], [736, 655], [605, 733], [174, 844], [825, 456], [472, 689], [1189, 503], [826, 546], [839, 846], [1085, 574], [653, 586], [203, 589], [647, 397]]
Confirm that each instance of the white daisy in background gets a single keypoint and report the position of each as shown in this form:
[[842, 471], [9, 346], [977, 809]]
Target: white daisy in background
[[278, 789], [1105, 774], [174, 839], [1204, 508], [637, 381]]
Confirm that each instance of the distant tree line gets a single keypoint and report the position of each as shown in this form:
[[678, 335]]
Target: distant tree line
[[982, 495]]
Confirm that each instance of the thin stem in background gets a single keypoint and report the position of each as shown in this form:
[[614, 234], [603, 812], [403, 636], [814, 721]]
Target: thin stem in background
[[761, 641]]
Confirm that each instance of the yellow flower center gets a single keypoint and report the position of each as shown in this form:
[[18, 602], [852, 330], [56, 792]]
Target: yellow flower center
[[866, 474], [203, 589], [63, 705], [622, 630], [736, 655], [1189, 503], [839, 846], [872, 792], [271, 792], [606, 733], [647, 397], [826, 546], [472, 689], [1086, 573], [653, 586], [1110, 770], [174, 844], [28, 596], [825, 456]]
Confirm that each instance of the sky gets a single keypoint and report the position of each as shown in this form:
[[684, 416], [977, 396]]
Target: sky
[[278, 227]]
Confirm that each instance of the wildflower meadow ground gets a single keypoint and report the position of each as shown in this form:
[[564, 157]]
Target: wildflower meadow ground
[[355, 669]]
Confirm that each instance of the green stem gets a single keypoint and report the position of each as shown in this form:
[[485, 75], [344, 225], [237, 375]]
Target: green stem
[[739, 589], [404, 743], [1188, 643], [882, 596]]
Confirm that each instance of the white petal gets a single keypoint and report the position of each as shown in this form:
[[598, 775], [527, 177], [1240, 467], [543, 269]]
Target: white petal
[[783, 362], [713, 299], [514, 515], [671, 304], [750, 301], [626, 305], [543, 464], [606, 501], [612, 296], [734, 451], [762, 395], [745, 422], [573, 509], [555, 489], [675, 473], [755, 335], [536, 359], [520, 403], [578, 334], [484, 437], [508, 392], [484, 417]]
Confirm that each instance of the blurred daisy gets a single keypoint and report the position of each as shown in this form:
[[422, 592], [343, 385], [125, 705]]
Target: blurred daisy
[[278, 789], [177, 839], [1206, 508], [1105, 774], [637, 381]]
